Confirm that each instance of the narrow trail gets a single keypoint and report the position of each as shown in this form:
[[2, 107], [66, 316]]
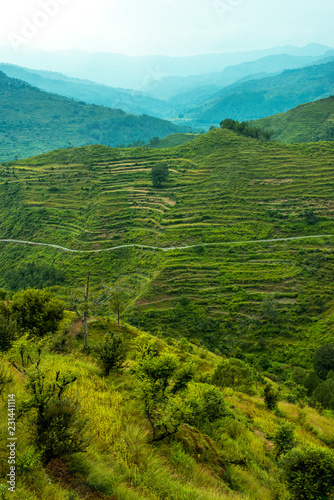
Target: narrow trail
[[135, 245]]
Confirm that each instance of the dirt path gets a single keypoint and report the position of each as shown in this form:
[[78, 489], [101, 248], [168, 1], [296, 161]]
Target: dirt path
[[135, 245]]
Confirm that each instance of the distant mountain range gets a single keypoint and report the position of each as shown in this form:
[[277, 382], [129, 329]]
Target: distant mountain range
[[141, 73], [33, 121], [256, 99], [172, 97], [307, 123]]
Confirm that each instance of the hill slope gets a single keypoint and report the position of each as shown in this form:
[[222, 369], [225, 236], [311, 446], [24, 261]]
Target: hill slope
[[224, 448], [34, 121], [222, 189], [90, 92], [307, 123], [267, 96]]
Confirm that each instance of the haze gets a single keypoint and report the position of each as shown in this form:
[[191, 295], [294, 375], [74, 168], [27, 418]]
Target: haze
[[170, 27]]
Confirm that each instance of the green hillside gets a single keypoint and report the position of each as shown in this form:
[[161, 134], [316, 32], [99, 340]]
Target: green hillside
[[222, 190], [307, 123], [256, 99], [33, 122], [225, 447], [205, 371], [171, 141]]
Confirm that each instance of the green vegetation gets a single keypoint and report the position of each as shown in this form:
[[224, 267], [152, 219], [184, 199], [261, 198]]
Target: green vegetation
[[156, 429], [307, 123], [269, 304], [245, 129], [159, 175], [171, 141], [258, 98], [34, 121]]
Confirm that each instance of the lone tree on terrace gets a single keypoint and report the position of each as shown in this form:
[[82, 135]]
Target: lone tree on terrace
[[159, 175]]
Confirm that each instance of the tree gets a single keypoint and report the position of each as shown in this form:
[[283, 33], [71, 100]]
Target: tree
[[58, 427], [324, 394], [323, 360], [119, 294], [37, 312], [311, 382], [116, 295], [111, 353], [159, 175], [309, 473], [234, 373], [162, 380]]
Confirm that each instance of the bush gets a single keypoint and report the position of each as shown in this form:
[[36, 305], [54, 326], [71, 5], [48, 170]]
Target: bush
[[60, 431], [309, 473], [37, 312], [234, 373], [111, 353], [8, 328], [271, 397], [324, 360], [284, 439], [324, 394]]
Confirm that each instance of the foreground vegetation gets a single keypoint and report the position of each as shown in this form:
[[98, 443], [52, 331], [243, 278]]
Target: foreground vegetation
[[166, 419]]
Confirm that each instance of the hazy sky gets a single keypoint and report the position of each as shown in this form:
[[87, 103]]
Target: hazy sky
[[171, 27]]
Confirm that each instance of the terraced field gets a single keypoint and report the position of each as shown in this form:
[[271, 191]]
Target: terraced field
[[222, 188]]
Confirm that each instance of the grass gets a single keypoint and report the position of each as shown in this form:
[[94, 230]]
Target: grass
[[235, 462]]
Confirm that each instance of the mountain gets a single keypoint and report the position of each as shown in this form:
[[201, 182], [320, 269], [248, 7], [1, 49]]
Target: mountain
[[140, 73], [183, 90], [171, 96], [309, 122], [34, 121], [260, 98], [92, 93]]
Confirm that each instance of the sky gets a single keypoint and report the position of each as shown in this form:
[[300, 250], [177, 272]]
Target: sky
[[169, 27]]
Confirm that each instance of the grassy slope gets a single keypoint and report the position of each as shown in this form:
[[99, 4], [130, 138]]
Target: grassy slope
[[259, 98], [222, 188], [235, 462], [306, 123], [33, 122], [174, 140]]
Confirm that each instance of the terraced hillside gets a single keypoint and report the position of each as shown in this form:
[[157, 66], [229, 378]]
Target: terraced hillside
[[309, 122], [222, 189]]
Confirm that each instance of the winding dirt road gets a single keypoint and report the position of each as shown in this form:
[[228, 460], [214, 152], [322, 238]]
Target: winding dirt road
[[168, 249]]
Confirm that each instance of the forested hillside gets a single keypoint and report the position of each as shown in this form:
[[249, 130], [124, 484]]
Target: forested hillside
[[34, 122]]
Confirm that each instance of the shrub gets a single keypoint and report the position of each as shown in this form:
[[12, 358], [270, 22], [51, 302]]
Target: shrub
[[60, 431], [37, 312], [8, 328], [284, 439], [309, 473], [111, 353], [324, 360], [234, 373], [324, 394], [271, 396]]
